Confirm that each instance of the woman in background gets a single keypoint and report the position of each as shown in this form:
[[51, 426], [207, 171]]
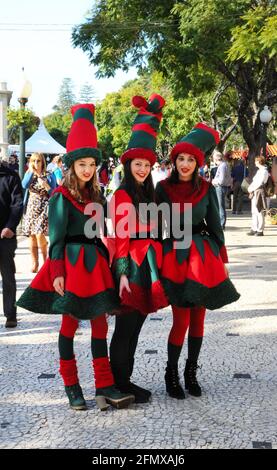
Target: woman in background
[[38, 186]]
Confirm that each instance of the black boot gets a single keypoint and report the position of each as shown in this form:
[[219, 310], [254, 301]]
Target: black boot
[[141, 394], [191, 383], [141, 390], [134, 388], [122, 381], [112, 396], [173, 386]]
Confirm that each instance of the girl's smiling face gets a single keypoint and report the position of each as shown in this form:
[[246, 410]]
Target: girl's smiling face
[[84, 169], [185, 165], [140, 169]]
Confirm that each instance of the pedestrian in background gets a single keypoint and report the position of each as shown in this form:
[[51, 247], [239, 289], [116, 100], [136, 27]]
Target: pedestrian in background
[[239, 172], [13, 163], [159, 172], [205, 172], [38, 186], [11, 209], [53, 164], [168, 167], [116, 177], [59, 171], [222, 183], [103, 175], [258, 197]]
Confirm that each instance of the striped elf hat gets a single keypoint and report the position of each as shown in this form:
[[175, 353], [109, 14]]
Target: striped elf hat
[[143, 140], [82, 138], [201, 139]]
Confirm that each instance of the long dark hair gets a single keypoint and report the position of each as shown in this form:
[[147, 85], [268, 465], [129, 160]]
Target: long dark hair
[[138, 192], [174, 177]]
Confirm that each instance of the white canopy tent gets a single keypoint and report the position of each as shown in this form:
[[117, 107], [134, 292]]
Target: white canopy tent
[[40, 141]]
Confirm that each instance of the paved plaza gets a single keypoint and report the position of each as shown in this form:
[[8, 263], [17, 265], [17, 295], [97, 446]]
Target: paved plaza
[[238, 373]]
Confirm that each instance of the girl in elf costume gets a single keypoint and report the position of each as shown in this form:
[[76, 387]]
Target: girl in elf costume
[[138, 254], [194, 277], [76, 280]]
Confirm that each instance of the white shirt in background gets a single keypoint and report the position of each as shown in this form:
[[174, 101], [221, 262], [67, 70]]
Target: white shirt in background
[[259, 179], [51, 167], [158, 175]]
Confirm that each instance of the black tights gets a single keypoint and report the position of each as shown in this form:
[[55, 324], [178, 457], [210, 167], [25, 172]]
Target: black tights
[[123, 345]]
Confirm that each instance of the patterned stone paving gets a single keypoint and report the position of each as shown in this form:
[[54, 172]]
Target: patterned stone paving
[[240, 341]]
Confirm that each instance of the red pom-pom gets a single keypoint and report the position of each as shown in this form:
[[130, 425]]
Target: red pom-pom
[[159, 98], [139, 102]]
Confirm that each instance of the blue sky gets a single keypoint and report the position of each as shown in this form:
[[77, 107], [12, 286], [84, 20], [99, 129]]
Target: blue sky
[[47, 57]]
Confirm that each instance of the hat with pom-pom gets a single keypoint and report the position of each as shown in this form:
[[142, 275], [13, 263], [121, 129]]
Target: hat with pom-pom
[[143, 140], [82, 138], [197, 142]]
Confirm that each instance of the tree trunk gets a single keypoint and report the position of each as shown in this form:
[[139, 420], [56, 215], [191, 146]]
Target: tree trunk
[[254, 151]]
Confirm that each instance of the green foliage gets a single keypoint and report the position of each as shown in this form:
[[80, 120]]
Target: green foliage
[[172, 39], [268, 36], [115, 114], [59, 122], [19, 117], [87, 94], [257, 35], [66, 96], [196, 45], [125, 30], [58, 125]]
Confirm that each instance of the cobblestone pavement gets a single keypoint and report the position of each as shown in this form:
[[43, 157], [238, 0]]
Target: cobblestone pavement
[[238, 408]]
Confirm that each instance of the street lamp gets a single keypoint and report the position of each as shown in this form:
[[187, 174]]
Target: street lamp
[[265, 118], [25, 91]]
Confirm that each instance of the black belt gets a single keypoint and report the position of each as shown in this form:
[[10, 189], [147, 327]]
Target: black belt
[[89, 241], [202, 229], [83, 239]]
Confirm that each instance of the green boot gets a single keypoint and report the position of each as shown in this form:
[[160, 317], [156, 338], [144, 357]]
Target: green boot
[[111, 395], [75, 396]]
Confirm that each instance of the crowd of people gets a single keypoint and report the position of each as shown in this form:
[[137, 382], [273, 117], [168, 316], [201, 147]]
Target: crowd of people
[[132, 273]]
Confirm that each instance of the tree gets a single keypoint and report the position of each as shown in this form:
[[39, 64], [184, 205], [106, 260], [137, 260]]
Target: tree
[[17, 117], [87, 94], [58, 126], [233, 41], [115, 115], [66, 96]]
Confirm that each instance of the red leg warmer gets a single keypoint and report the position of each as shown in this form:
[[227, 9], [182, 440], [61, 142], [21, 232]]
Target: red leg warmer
[[68, 371], [102, 372]]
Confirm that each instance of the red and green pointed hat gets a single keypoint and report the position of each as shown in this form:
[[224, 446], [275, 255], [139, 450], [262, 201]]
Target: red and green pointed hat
[[82, 138], [143, 140], [199, 141]]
